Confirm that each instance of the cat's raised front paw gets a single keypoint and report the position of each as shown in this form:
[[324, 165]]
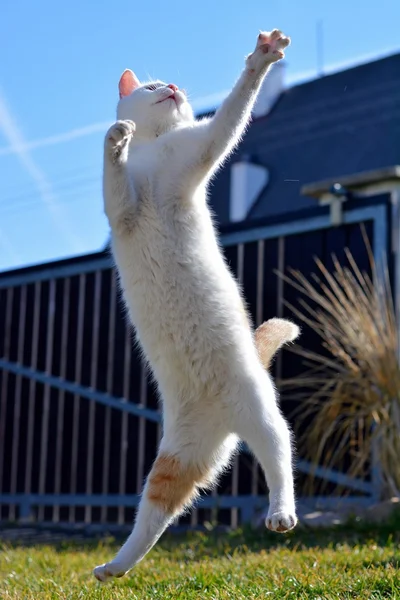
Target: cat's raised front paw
[[269, 49], [118, 137]]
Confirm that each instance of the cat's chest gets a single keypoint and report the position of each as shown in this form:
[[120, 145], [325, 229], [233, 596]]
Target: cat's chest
[[172, 253], [158, 172]]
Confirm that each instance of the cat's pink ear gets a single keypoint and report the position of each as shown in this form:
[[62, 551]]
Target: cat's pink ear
[[127, 83]]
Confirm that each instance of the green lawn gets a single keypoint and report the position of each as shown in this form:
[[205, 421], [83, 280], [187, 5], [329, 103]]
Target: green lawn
[[349, 562]]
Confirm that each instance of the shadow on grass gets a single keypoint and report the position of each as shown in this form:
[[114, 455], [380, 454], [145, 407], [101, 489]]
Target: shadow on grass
[[212, 543]]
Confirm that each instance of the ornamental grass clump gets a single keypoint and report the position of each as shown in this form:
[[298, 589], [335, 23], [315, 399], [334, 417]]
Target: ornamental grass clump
[[348, 417]]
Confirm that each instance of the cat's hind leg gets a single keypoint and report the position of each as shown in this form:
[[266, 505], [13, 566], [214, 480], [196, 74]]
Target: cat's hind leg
[[258, 421], [172, 485]]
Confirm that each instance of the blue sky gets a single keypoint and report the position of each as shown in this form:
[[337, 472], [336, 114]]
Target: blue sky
[[58, 90]]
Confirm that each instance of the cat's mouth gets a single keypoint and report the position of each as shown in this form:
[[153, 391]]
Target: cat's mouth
[[170, 97]]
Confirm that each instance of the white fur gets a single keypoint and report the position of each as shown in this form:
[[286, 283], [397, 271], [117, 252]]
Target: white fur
[[186, 306]]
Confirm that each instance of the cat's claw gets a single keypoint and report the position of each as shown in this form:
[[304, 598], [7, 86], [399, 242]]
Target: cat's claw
[[281, 521], [118, 137], [269, 49]]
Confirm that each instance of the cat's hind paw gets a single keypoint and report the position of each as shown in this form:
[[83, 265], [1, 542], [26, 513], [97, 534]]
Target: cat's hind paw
[[118, 137], [281, 521], [107, 571]]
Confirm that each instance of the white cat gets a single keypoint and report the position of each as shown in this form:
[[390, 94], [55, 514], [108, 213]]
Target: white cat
[[185, 304]]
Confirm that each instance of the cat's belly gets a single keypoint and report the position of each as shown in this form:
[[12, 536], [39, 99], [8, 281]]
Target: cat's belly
[[189, 319]]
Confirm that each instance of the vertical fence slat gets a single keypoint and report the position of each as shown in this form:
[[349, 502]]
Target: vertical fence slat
[[260, 283], [125, 421], [32, 388], [93, 382], [4, 381], [109, 386], [18, 399], [44, 444], [279, 298], [259, 320], [76, 403], [235, 470], [61, 395]]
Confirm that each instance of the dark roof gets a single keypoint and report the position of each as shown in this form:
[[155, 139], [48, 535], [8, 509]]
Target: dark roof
[[336, 125]]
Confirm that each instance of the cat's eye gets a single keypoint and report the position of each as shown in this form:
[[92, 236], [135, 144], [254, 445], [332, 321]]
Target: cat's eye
[[152, 86]]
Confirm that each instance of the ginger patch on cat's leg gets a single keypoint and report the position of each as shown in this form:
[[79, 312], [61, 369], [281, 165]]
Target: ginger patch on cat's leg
[[172, 485]]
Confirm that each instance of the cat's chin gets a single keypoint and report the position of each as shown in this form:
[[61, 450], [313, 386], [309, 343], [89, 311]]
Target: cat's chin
[[175, 102]]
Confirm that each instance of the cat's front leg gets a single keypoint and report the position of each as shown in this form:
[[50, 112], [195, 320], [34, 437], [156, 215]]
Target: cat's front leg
[[118, 189], [211, 141]]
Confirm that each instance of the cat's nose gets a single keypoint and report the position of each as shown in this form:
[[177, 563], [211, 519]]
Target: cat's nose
[[173, 87]]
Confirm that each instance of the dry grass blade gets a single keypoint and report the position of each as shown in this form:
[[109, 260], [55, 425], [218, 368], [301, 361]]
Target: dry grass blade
[[349, 397]]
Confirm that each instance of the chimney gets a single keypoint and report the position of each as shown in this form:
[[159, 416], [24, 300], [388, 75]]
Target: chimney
[[247, 182], [271, 89]]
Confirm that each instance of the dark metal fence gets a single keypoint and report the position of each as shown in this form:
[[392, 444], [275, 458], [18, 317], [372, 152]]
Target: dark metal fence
[[79, 421]]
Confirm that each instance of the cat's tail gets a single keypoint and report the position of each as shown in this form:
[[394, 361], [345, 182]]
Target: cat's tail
[[272, 335]]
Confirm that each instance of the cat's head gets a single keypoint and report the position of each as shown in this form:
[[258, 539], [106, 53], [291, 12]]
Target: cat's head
[[155, 107]]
